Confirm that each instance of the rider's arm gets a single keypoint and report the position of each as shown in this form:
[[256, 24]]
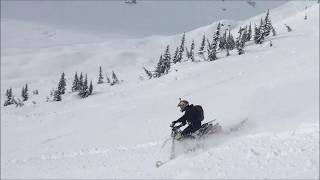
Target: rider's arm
[[182, 120]]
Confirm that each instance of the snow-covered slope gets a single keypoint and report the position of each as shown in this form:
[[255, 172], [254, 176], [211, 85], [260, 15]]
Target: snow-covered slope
[[118, 132]]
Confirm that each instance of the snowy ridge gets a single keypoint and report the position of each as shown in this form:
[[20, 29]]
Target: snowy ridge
[[118, 132]]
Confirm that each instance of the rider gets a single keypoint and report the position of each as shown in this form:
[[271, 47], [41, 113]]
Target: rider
[[191, 116]]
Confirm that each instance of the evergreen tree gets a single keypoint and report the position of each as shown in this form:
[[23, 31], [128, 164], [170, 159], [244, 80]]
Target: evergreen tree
[[75, 84], [267, 25], [256, 34], [114, 78], [231, 42], [191, 53], [85, 83], [108, 79], [9, 95], [176, 56], [249, 34], [202, 46], [57, 95], [160, 67], [149, 74], [223, 41], [181, 48], [80, 81], [211, 51], [100, 79], [241, 39], [62, 84], [90, 88], [84, 88], [24, 93], [212, 48], [261, 32], [167, 60]]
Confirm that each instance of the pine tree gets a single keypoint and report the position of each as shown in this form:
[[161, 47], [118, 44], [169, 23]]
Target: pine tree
[[24, 93], [90, 88], [231, 42], [80, 81], [223, 41], [212, 48], [9, 95], [160, 67], [211, 52], [57, 95], [108, 79], [149, 74], [75, 83], [202, 46], [267, 25], [100, 79], [167, 60], [84, 88], [241, 39], [191, 53], [85, 83], [175, 57], [181, 48], [114, 78], [256, 34], [249, 34], [62, 84]]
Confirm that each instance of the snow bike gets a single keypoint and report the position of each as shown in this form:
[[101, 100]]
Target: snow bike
[[176, 135], [205, 129]]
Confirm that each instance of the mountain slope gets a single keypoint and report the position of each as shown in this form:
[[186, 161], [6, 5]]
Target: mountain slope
[[118, 132]]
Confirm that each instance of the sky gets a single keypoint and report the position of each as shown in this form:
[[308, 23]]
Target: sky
[[149, 17]]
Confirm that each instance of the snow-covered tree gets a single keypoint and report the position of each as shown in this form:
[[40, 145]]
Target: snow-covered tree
[[108, 79], [100, 78], [176, 56], [191, 52], [90, 88], [84, 88], [181, 48], [57, 95], [167, 60], [62, 84], [230, 41], [75, 84], [241, 39], [80, 81], [267, 25], [160, 69], [260, 33], [24, 93], [256, 33], [223, 41], [9, 96], [249, 34], [212, 47], [115, 79], [202, 46]]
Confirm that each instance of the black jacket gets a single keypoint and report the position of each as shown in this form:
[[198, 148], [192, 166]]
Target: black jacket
[[191, 116]]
